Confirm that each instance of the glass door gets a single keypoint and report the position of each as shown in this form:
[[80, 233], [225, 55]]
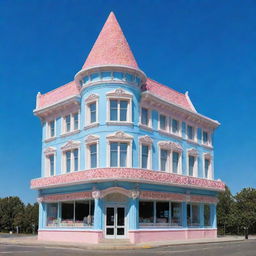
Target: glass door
[[115, 222]]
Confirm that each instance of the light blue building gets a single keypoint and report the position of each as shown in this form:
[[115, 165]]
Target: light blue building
[[123, 156]]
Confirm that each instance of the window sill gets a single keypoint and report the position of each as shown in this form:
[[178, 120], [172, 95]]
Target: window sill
[[207, 146], [124, 123], [92, 125], [50, 139], [177, 136], [193, 142], [145, 127], [69, 133]]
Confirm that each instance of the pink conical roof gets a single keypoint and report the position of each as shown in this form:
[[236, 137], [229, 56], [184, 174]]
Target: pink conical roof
[[111, 47]]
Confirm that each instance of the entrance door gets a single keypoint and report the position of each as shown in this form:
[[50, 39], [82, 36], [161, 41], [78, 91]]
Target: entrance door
[[115, 222]]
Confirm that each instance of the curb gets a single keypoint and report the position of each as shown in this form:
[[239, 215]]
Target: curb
[[121, 247]]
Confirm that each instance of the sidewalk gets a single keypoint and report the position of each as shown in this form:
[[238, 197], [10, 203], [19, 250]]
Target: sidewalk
[[32, 241]]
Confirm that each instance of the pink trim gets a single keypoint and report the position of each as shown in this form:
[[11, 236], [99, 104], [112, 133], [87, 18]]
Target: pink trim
[[88, 237], [141, 236], [127, 174], [176, 197], [65, 197], [111, 47]]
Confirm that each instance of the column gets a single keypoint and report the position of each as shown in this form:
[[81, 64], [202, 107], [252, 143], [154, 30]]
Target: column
[[201, 214], [97, 210], [41, 215], [134, 210], [184, 215], [213, 216]]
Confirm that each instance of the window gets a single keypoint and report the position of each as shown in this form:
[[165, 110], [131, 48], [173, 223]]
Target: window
[[52, 165], [52, 128], [170, 157], [144, 156], [71, 123], [71, 160], [93, 155], [52, 214], [72, 213], [163, 159], [118, 110], [175, 162], [160, 213], [206, 167], [162, 120], [93, 113], [176, 214], [206, 138], [207, 215], [174, 126], [118, 154], [193, 217], [144, 116], [191, 165], [146, 213], [190, 132]]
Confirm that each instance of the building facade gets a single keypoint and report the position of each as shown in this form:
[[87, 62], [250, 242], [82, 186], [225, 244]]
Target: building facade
[[123, 156]]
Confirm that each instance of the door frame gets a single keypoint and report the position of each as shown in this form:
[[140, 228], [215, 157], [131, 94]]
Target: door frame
[[115, 206]]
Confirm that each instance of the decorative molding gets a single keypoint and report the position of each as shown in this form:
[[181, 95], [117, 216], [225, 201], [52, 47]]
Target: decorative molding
[[91, 139], [162, 196], [96, 194], [71, 145], [127, 174], [119, 135], [119, 93], [92, 97], [65, 197], [193, 152], [208, 156], [146, 140], [49, 151], [169, 145], [135, 194]]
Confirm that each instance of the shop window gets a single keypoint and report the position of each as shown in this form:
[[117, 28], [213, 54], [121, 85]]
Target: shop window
[[52, 214], [193, 216], [146, 213], [162, 213], [176, 214], [207, 215]]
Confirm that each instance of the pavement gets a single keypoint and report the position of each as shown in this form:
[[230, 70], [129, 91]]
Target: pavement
[[235, 248], [29, 240]]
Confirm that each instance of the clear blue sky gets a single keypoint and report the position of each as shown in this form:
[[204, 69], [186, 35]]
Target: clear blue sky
[[205, 47]]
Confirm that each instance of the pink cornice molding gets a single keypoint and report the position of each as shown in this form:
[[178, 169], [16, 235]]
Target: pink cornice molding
[[127, 174], [65, 197]]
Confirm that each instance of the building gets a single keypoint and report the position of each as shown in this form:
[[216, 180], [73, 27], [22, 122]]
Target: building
[[123, 156]]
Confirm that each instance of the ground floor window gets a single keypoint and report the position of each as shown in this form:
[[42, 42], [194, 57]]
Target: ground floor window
[[207, 215], [160, 213], [193, 215], [71, 213]]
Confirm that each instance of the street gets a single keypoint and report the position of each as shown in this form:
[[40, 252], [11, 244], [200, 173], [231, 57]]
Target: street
[[245, 248]]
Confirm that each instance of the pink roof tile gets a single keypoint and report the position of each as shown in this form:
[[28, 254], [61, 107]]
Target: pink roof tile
[[61, 93], [111, 47], [168, 94]]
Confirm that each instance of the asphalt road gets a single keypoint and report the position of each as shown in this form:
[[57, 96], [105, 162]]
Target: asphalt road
[[244, 248]]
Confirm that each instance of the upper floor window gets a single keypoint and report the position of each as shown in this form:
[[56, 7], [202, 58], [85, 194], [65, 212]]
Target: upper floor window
[[51, 129], [206, 138], [145, 151], [207, 166], [92, 103], [93, 155], [190, 132], [163, 122], [119, 106], [119, 150], [92, 112], [144, 156], [71, 156], [92, 143], [50, 166], [170, 157], [71, 123], [192, 162], [175, 126]]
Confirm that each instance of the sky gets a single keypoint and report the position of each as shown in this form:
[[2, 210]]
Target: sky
[[205, 47]]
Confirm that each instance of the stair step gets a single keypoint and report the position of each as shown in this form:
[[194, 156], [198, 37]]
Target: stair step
[[115, 241]]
